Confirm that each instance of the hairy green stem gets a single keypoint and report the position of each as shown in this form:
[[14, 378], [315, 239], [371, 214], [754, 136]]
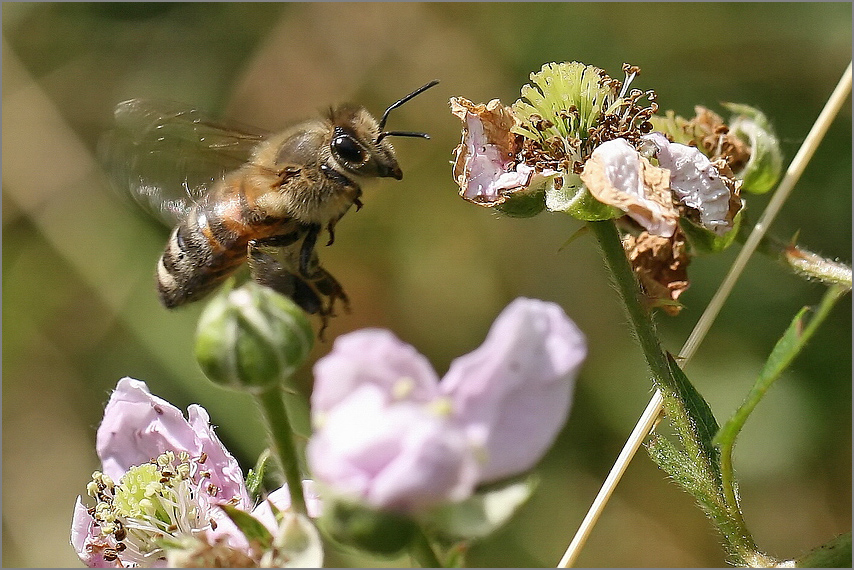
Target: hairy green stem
[[731, 524], [283, 444], [800, 261], [633, 300]]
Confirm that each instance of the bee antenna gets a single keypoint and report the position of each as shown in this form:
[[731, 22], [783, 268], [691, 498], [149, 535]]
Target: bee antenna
[[397, 104], [401, 134]]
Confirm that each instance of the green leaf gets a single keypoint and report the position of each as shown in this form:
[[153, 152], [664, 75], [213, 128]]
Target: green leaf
[[484, 512], [834, 554], [249, 526], [692, 417], [799, 331]]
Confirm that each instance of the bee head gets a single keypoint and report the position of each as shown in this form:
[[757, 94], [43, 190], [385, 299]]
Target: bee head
[[359, 142]]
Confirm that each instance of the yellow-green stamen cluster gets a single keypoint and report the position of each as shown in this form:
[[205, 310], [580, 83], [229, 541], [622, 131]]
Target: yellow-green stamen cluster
[[163, 499], [571, 108]]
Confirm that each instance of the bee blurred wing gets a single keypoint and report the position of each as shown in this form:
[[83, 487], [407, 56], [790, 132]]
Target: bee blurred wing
[[167, 156]]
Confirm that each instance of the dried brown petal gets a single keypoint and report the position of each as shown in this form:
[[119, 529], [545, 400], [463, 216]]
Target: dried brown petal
[[618, 176], [485, 161], [714, 135], [661, 266]]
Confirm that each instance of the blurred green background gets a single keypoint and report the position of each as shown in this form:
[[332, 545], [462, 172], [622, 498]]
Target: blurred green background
[[80, 311]]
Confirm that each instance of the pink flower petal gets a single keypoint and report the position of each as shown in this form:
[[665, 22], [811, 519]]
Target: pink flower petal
[[138, 426], [512, 394], [696, 182], [397, 456], [615, 174], [371, 356], [85, 539], [224, 469]]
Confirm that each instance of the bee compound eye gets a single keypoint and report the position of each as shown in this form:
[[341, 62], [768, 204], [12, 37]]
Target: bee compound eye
[[348, 149]]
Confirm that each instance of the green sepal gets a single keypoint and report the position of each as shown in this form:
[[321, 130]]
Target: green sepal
[[255, 477], [359, 526], [574, 199], [523, 204], [707, 241], [765, 166], [252, 528], [484, 512]]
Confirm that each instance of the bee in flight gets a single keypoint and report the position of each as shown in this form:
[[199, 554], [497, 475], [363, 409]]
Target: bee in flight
[[236, 194]]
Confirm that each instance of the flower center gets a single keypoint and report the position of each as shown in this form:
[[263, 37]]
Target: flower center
[[159, 501], [569, 109]]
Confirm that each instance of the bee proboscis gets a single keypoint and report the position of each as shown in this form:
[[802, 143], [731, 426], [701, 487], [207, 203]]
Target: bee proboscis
[[237, 194]]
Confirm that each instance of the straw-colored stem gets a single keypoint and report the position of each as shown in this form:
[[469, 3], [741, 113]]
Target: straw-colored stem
[[652, 413]]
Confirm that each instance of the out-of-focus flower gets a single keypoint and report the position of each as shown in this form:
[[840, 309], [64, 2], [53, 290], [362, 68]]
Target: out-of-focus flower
[[162, 483], [399, 440]]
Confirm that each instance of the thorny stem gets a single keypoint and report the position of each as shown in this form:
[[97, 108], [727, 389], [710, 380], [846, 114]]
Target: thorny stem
[[615, 258], [652, 413], [633, 301], [280, 430]]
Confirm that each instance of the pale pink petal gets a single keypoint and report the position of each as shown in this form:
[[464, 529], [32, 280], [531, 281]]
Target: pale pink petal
[[399, 456], [139, 426], [86, 539], [225, 472], [615, 174], [696, 182], [371, 356], [512, 394]]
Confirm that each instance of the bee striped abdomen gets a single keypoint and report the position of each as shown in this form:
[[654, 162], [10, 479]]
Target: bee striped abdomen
[[202, 252]]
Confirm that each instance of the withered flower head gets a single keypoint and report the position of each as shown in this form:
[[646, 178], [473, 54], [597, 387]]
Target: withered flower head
[[584, 142]]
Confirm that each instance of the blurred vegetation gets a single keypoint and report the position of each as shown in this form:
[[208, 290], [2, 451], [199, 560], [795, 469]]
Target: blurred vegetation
[[80, 311]]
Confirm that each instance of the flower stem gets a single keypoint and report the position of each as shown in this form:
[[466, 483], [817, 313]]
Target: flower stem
[[280, 430], [801, 261], [615, 258]]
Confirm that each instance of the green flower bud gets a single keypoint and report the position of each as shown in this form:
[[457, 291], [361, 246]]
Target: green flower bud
[[383, 533], [252, 338], [766, 159]]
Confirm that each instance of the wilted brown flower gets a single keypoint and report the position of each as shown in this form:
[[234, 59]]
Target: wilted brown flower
[[661, 266]]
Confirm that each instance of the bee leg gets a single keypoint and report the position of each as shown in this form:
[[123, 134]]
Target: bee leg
[[274, 262], [268, 271], [307, 250]]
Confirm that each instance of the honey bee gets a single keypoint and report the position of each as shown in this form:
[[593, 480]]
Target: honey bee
[[237, 194]]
